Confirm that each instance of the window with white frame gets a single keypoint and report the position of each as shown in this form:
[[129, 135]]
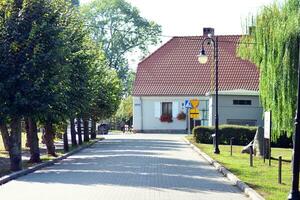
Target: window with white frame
[[166, 108]]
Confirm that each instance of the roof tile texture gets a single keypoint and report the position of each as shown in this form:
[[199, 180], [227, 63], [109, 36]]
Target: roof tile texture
[[174, 70]]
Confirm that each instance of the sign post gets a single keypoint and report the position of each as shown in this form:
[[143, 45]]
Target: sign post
[[188, 106]]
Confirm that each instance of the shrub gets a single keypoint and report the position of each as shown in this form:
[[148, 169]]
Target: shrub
[[166, 118], [242, 134]]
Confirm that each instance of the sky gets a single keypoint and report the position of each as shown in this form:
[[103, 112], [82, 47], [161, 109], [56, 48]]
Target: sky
[[188, 17]]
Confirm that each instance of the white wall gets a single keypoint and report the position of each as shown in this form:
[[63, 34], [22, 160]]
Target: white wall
[[144, 113], [229, 111], [144, 118]]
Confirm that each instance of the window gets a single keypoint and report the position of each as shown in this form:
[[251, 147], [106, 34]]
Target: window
[[166, 108], [204, 113], [242, 102], [243, 122]]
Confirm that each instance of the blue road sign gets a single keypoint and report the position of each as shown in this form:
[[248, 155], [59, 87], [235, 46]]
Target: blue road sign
[[187, 104]]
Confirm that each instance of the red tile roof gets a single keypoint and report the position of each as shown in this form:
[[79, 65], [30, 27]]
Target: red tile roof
[[174, 70]]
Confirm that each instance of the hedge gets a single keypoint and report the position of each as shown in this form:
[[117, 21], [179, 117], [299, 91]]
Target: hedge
[[242, 134]]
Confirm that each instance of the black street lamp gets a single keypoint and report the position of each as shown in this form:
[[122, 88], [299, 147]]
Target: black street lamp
[[202, 58], [294, 194]]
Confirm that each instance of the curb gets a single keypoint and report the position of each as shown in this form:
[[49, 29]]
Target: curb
[[34, 168], [235, 180]]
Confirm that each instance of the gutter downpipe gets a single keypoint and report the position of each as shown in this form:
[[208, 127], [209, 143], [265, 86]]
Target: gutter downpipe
[[142, 118]]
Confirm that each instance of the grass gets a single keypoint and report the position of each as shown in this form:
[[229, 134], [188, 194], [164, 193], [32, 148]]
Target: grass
[[262, 177]]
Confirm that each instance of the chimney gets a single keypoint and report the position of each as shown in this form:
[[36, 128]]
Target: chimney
[[251, 30], [208, 31]]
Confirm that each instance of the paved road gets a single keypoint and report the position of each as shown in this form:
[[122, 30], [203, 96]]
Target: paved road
[[127, 167]]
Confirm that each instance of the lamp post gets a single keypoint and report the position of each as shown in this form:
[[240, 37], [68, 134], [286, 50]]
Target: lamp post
[[202, 58], [294, 194]]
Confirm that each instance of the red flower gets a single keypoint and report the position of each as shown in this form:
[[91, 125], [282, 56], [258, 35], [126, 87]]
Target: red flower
[[166, 118]]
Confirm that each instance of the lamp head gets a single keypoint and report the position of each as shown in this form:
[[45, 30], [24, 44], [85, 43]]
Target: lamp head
[[202, 57]]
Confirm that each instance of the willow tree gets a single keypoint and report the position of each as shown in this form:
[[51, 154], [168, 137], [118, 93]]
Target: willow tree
[[274, 47]]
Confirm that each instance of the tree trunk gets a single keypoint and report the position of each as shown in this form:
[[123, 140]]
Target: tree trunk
[[27, 133], [49, 139], [15, 151], [33, 141], [66, 142], [73, 132], [93, 130], [86, 137], [79, 131], [5, 135]]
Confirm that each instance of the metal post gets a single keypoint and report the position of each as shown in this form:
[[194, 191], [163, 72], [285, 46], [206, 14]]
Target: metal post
[[294, 194], [216, 59], [189, 121], [217, 151], [270, 152], [279, 169]]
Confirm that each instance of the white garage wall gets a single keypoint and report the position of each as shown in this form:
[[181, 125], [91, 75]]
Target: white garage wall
[[241, 112]]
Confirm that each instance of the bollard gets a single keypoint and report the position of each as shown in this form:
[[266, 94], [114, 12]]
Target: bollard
[[279, 169], [251, 156], [231, 140]]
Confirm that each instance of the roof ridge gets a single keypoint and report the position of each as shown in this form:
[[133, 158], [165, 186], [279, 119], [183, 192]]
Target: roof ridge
[[230, 35]]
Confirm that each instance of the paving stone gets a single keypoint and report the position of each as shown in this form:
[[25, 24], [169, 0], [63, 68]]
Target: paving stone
[[127, 167]]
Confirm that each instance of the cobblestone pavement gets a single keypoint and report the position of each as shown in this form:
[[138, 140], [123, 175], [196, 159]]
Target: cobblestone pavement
[[127, 167]]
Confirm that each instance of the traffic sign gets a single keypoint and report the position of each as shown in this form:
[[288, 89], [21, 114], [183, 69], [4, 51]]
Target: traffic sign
[[195, 103], [187, 104], [194, 113]]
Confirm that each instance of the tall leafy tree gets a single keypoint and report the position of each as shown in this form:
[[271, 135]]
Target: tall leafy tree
[[119, 29], [33, 69], [274, 48]]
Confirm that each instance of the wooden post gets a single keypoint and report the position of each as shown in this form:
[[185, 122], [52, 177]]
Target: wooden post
[[231, 139], [279, 169], [251, 156], [264, 150]]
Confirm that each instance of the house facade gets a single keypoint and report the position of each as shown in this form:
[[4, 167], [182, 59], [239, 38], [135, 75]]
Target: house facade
[[172, 75]]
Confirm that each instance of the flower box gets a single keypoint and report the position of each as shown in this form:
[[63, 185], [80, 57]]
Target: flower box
[[166, 118]]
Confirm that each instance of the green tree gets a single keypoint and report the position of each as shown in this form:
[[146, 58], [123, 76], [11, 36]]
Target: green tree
[[33, 69], [119, 29], [274, 48], [106, 90], [125, 111]]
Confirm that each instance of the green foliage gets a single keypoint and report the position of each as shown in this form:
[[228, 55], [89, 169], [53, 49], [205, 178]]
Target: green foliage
[[32, 57], [125, 111], [274, 48], [118, 28], [242, 134], [106, 91]]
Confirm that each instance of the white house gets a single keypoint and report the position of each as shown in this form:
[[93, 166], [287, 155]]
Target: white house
[[172, 74]]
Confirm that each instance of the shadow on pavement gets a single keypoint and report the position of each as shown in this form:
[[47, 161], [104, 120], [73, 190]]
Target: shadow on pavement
[[135, 163]]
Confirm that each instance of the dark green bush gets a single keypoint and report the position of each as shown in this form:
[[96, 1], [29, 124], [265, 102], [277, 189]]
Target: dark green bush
[[242, 134]]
